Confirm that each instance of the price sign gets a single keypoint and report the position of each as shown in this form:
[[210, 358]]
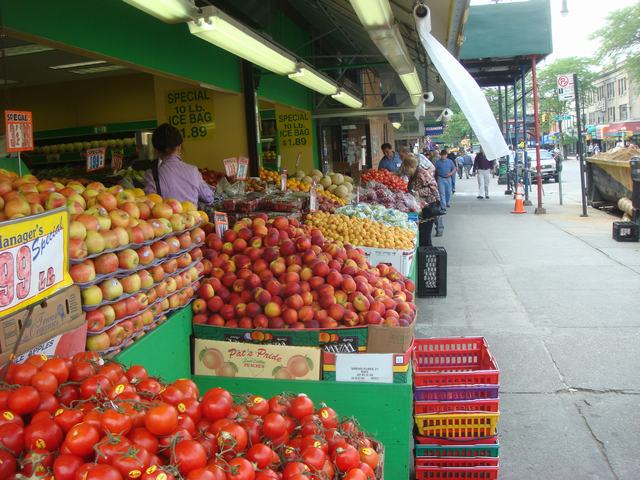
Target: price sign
[[19, 130], [243, 168], [230, 167], [31, 264], [370, 368], [95, 158], [221, 222], [117, 158], [294, 127], [191, 112]]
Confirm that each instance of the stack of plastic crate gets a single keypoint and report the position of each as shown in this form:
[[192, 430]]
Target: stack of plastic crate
[[456, 409]]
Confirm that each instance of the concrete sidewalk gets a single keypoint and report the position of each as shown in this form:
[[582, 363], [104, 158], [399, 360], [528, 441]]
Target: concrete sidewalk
[[557, 299]]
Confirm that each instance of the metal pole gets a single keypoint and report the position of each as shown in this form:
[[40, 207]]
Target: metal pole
[[515, 129], [527, 179], [252, 117], [508, 190], [580, 148], [534, 78]]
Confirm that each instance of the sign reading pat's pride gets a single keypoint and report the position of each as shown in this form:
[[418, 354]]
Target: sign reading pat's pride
[[34, 259]]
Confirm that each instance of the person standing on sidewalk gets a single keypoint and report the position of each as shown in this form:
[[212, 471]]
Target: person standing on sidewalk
[[445, 170], [424, 187], [482, 167], [468, 163], [460, 163], [452, 156]]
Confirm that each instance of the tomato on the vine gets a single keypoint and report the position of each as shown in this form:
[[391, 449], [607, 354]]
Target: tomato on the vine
[[295, 468], [369, 456], [136, 374], [44, 434], [233, 437], [346, 458], [8, 465], [355, 474], [48, 403], [9, 417], [278, 404], [301, 406], [188, 387], [154, 472], [189, 455], [314, 457], [144, 438], [274, 425], [115, 423], [65, 466], [58, 367], [81, 438], [258, 406], [24, 400], [101, 472], [240, 469], [12, 437], [328, 417], [368, 471], [190, 407], [216, 404], [45, 382], [161, 420], [261, 455], [22, 374], [132, 463]]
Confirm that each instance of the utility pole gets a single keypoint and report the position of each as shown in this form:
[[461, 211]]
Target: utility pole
[[580, 148]]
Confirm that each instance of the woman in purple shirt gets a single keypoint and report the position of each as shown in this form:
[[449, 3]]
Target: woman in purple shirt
[[170, 177]]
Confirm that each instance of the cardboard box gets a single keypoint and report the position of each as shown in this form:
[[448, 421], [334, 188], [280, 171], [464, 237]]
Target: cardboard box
[[59, 314], [386, 339], [232, 359], [366, 367], [401, 260], [336, 340], [65, 344]]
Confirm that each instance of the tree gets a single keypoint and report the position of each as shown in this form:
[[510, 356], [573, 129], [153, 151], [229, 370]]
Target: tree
[[458, 127], [620, 39]]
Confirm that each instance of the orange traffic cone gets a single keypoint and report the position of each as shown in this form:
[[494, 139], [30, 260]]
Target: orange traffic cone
[[519, 208]]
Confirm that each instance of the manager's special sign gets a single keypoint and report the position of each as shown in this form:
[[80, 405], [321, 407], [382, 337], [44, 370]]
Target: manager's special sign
[[34, 259]]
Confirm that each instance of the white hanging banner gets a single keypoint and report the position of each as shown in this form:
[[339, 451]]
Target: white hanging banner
[[464, 89]]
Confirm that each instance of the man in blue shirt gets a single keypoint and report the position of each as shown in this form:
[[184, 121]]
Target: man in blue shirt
[[391, 160], [445, 169]]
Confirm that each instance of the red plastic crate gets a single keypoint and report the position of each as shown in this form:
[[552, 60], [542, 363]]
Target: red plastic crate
[[453, 361], [457, 462], [492, 440], [489, 472], [482, 405]]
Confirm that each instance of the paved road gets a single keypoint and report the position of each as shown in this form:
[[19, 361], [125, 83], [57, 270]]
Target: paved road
[[557, 299]]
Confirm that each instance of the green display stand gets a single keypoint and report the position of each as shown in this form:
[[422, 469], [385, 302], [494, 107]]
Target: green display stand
[[166, 351], [385, 411], [15, 165]]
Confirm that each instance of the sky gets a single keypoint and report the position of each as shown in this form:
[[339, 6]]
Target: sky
[[571, 32]]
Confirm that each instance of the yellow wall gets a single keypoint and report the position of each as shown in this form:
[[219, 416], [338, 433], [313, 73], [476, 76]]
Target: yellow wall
[[80, 103], [229, 138]]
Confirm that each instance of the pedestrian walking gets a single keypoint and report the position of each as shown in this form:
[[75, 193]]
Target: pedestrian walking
[[467, 163], [596, 149], [482, 167], [460, 163], [445, 169], [425, 188], [452, 156]]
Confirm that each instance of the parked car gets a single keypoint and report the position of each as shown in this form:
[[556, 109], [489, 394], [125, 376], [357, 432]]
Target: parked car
[[548, 168]]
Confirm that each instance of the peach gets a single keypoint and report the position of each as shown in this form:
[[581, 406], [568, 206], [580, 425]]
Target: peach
[[272, 310]]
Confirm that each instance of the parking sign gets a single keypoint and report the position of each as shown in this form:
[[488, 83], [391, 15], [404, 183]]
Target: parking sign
[[565, 87]]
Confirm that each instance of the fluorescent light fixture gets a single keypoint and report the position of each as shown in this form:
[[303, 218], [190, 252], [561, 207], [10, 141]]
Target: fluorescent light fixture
[[316, 81], [347, 99], [79, 64], [411, 82], [106, 68], [170, 11], [227, 33], [390, 43], [396, 125], [373, 13], [25, 50]]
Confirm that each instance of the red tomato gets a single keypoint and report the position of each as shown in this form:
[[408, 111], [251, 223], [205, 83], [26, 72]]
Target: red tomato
[[22, 374], [12, 437], [253, 430], [274, 425], [58, 367], [121, 391], [67, 418], [68, 394], [100, 472], [132, 463], [161, 420], [278, 404], [190, 407], [368, 471], [218, 425], [44, 434], [112, 371], [314, 457], [355, 474], [95, 386], [80, 371], [9, 417], [301, 406], [115, 423], [295, 468], [233, 437], [81, 439], [48, 403], [216, 404], [150, 385], [261, 455], [267, 474], [185, 423], [346, 458], [65, 466], [137, 374], [328, 417], [154, 472], [187, 387], [172, 395], [201, 474], [111, 448], [328, 469], [189, 455], [93, 417], [4, 399], [45, 382], [258, 406], [24, 400], [37, 462], [240, 469], [369, 456], [8, 466], [145, 439]]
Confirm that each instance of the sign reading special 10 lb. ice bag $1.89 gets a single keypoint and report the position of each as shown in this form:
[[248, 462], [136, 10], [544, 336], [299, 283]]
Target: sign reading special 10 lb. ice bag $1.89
[[34, 259]]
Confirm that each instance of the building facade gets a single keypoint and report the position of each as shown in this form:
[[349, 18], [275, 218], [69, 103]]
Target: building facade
[[613, 110]]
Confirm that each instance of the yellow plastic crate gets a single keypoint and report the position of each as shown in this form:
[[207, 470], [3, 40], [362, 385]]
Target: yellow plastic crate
[[458, 425]]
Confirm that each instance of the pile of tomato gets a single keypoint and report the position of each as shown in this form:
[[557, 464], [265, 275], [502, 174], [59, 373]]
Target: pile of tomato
[[385, 177], [84, 418]]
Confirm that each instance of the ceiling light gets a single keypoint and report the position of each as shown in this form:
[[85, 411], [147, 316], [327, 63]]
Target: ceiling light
[[106, 68], [373, 13], [25, 50], [314, 80], [347, 99], [396, 125], [225, 32], [170, 11], [411, 82], [390, 43], [79, 64]]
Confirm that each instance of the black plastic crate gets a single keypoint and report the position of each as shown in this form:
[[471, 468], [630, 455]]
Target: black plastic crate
[[432, 272], [626, 231]]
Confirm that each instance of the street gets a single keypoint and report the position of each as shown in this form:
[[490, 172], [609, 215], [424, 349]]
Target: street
[[556, 299]]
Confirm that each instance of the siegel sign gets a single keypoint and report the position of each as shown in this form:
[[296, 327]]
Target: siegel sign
[[34, 259]]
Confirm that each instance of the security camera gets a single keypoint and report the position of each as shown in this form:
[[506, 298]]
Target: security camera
[[428, 97], [446, 115]]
